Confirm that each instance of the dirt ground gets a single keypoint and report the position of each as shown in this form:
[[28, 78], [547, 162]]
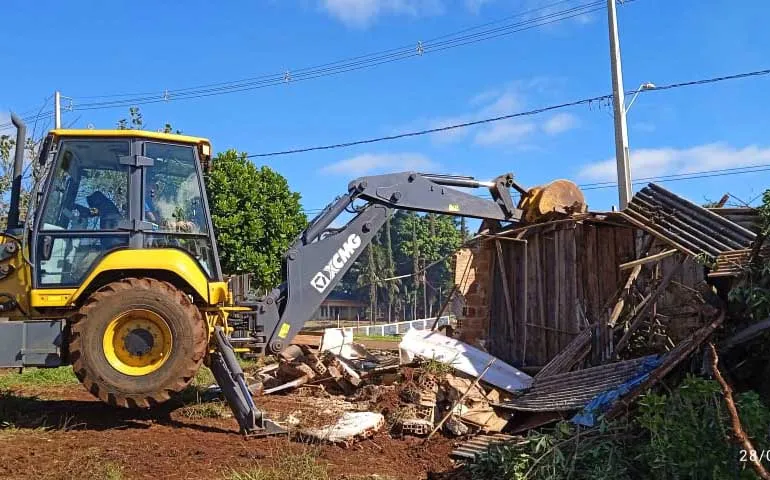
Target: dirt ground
[[61, 432]]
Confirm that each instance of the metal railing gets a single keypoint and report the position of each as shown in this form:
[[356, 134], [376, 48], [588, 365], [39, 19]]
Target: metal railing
[[397, 328]]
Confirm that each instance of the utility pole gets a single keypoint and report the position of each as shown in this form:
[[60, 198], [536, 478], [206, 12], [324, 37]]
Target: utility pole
[[57, 109], [619, 107]]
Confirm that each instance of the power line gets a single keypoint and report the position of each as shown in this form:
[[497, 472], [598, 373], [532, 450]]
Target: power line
[[433, 130], [378, 54], [443, 42], [694, 176], [674, 176], [336, 68], [537, 111], [720, 172]]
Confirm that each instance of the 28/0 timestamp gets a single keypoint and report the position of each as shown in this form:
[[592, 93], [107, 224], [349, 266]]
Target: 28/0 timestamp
[[754, 455]]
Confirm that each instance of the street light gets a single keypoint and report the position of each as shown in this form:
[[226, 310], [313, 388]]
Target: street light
[[642, 87]]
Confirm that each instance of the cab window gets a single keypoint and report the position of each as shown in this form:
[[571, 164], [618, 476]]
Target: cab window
[[89, 188], [173, 203], [86, 204], [172, 190]]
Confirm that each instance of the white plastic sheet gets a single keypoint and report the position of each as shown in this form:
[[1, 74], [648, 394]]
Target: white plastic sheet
[[463, 357]]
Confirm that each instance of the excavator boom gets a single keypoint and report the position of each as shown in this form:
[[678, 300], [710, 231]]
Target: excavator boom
[[316, 262]]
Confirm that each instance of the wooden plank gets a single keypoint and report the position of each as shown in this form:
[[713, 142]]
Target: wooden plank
[[592, 275], [522, 298], [513, 250], [579, 268], [502, 268], [624, 243], [620, 304], [533, 290], [557, 319], [571, 317], [545, 308], [644, 261], [644, 307], [608, 257]]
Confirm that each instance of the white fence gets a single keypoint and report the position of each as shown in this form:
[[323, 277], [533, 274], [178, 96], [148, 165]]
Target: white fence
[[397, 328]]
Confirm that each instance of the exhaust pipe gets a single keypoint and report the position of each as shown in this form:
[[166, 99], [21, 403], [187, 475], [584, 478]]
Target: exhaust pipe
[[18, 164]]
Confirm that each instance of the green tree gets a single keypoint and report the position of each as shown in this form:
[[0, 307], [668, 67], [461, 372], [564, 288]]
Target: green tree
[[392, 286], [135, 121], [30, 172], [425, 241], [255, 215]]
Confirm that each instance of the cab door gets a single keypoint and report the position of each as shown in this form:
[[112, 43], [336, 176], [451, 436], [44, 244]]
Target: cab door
[[84, 210]]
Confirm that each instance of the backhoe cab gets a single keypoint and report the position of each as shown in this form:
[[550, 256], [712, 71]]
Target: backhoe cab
[[115, 269]]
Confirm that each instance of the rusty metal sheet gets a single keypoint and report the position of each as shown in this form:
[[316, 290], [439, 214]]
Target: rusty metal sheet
[[572, 390]]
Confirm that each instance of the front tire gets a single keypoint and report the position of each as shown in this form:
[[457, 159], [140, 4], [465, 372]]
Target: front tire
[[137, 341]]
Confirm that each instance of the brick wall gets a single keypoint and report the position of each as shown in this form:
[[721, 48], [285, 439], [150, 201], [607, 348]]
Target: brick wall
[[473, 270]]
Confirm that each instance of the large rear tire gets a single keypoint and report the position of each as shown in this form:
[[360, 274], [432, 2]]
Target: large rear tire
[[136, 342]]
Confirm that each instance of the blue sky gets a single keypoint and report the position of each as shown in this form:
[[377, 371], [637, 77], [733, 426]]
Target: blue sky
[[92, 48]]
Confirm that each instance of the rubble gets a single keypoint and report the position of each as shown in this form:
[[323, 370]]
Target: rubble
[[625, 344], [350, 426]]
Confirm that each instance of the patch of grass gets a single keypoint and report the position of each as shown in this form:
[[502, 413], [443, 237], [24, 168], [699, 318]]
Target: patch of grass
[[38, 376], [436, 368], [203, 378], [301, 466], [112, 471], [213, 409], [255, 363], [193, 393]]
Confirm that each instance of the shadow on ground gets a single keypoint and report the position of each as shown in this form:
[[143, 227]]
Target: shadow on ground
[[23, 411]]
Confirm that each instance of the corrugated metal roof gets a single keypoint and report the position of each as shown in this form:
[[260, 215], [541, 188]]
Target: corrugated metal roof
[[746, 217], [573, 390], [693, 228], [479, 445]]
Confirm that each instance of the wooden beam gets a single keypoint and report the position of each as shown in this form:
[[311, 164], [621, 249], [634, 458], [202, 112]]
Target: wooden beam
[[645, 306], [621, 303], [646, 260], [504, 282], [670, 360]]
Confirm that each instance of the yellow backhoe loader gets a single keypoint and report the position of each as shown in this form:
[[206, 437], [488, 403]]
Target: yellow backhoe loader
[[115, 268]]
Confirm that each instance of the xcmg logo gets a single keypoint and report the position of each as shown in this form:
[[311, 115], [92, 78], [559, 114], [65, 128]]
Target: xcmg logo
[[322, 279]]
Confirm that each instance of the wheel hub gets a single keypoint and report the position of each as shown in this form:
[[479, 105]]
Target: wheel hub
[[137, 342]]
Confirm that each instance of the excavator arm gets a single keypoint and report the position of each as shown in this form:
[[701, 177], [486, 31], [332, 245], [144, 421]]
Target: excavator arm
[[316, 262]]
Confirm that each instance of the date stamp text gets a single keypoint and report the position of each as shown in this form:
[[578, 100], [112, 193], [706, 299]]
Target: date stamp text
[[754, 455]]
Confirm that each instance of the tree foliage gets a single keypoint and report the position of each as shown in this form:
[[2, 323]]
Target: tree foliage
[[684, 434], [750, 297], [255, 215], [30, 172]]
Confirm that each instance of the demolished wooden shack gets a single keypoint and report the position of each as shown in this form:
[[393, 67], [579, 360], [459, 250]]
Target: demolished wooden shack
[[588, 297]]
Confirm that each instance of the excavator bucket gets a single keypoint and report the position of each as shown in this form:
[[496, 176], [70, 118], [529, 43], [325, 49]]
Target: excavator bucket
[[558, 198]]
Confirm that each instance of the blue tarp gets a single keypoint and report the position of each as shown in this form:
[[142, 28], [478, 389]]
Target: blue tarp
[[600, 403]]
